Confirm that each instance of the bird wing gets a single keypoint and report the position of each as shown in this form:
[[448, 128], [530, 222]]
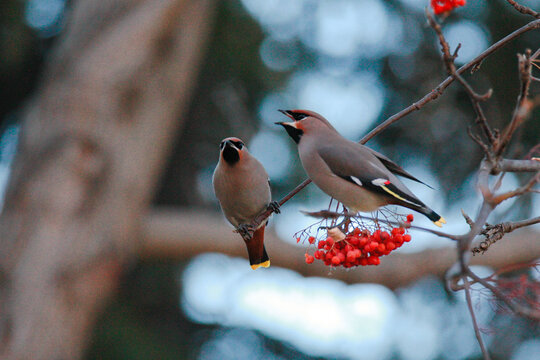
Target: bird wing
[[359, 166], [395, 168]]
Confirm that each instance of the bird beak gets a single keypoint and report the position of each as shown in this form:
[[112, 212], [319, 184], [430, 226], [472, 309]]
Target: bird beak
[[287, 113], [228, 144], [230, 153], [286, 124]]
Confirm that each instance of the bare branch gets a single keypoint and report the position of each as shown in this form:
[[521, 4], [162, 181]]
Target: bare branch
[[507, 165], [325, 214], [523, 106], [473, 95], [519, 191], [524, 9], [434, 94], [477, 333], [517, 308], [180, 234]]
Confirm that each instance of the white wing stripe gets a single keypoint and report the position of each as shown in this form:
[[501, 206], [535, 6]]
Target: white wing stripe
[[356, 180]]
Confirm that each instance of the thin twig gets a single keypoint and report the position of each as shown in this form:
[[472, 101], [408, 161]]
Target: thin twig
[[524, 9], [473, 318], [494, 233], [434, 94], [523, 106], [519, 191], [451, 68], [325, 214], [516, 308]]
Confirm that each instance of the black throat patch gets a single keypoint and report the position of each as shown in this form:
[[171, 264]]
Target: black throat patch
[[294, 133], [230, 155]]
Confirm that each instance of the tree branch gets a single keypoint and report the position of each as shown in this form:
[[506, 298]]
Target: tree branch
[[477, 333], [434, 94], [506, 165], [524, 9], [523, 106], [180, 234]]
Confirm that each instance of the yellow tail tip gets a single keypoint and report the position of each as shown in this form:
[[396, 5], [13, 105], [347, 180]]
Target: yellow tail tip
[[264, 264], [440, 222]]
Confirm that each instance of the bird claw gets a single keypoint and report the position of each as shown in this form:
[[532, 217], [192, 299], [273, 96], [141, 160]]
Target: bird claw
[[274, 206], [245, 230]]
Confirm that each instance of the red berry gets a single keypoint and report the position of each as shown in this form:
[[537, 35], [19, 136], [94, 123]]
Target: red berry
[[363, 241], [311, 239], [406, 237], [318, 254], [390, 245], [322, 243], [309, 259], [336, 260], [328, 256], [330, 241], [410, 217], [381, 248], [351, 256], [385, 236], [327, 262], [363, 261], [356, 231], [297, 240]]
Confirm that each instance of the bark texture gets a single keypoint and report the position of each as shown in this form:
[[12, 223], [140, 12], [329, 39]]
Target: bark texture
[[93, 142]]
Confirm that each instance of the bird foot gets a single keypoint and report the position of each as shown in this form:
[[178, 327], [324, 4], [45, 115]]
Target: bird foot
[[245, 230], [274, 206]]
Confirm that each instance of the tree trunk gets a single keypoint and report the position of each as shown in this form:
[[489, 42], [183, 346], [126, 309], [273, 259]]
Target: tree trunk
[[92, 145]]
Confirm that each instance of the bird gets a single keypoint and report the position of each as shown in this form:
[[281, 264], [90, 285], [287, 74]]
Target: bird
[[355, 175], [242, 187]]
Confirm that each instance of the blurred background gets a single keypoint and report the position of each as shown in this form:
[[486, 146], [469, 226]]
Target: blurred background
[[356, 62]]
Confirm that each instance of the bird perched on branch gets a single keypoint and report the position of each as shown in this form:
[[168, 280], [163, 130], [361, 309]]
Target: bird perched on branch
[[242, 187], [360, 178]]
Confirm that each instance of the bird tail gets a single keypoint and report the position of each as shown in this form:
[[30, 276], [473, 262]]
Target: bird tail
[[432, 215], [256, 250]]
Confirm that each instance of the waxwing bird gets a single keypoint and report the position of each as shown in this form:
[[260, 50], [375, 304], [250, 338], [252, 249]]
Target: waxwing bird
[[360, 178], [242, 187]]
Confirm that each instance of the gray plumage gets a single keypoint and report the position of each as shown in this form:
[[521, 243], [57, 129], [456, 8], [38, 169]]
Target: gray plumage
[[242, 188], [357, 176]]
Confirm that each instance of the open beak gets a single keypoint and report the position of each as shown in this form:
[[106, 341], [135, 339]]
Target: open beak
[[292, 127], [285, 124], [289, 115]]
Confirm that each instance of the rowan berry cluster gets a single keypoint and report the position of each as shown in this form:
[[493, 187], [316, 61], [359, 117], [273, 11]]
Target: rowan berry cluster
[[442, 6], [359, 247]]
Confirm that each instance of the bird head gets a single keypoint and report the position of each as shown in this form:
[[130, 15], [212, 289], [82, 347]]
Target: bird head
[[232, 149], [304, 122]]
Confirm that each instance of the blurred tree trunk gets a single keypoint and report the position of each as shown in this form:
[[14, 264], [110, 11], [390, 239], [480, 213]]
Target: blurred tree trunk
[[92, 145]]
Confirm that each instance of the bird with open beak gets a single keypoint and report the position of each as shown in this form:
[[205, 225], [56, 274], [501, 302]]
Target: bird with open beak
[[358, 177], [242, 187]]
